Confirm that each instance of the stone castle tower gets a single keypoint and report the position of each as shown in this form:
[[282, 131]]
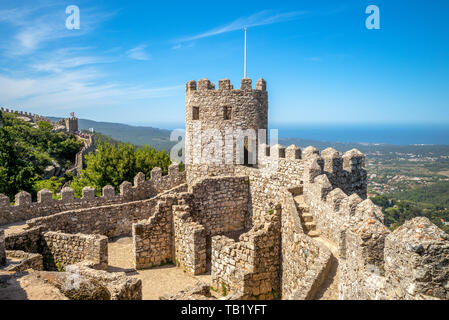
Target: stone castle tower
[[217, 124], [71, 124]]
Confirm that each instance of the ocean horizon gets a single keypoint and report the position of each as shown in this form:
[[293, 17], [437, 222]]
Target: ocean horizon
[[397, 134]]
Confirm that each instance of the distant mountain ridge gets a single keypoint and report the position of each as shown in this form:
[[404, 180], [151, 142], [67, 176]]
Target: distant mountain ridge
[[160, 139], [137, 135]]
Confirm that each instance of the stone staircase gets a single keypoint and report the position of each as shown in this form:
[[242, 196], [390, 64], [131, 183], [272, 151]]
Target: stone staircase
[[307, 220], [328, 289]]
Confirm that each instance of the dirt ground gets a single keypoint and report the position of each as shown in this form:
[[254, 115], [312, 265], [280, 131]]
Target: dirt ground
[[156, 281], [27, 286]]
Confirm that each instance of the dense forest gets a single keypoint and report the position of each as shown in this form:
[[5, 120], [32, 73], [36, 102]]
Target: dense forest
[[25, 151]]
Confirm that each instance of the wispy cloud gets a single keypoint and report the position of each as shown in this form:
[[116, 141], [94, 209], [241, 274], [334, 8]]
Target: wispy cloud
[[68, 58], [75, 90], [33, 27], [182, 45], [258, 19], [138, 53]]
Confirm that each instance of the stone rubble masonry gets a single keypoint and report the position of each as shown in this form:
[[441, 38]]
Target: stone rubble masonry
[[213, 206], [190, 241], [282, 168], [305, 261], [408, 264], [25, 209], [33, 116], [417, 260], [88, 147], [248, 110], [109, 220], [250, 267], [152, 239], [361, 263], [26, 240], [331, 207], [2, 248], [62, 249], [220, 204], [200, 291], [24, 261], [119, 285]]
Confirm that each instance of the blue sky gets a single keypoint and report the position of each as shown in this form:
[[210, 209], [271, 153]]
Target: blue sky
[[129, 61]]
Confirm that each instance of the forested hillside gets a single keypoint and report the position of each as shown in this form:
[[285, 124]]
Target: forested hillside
[[25, 150]]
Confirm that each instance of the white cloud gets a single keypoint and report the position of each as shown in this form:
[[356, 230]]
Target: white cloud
[[258, 19], [75, 90], [68, 58], [34, 27], [138, 53]]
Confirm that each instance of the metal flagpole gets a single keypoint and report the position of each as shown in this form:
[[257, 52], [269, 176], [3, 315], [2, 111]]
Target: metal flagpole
[[245, 56]]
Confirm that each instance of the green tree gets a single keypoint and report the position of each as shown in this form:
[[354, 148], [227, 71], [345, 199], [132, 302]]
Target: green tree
[[53, 184], [112, 164]]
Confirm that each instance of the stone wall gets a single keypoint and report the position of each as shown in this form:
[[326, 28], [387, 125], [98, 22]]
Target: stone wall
[[22, 261], [213, 206], [220, 204], [153, 239], [304, 262], [25, 209], [109, 220], [417, 261], [282, 168], [361, 262], [33, 116], [250, 267], [26, 240], [88, 147], [190, 241], [330, 206], [411, 263], [62, 249], [2, 248]]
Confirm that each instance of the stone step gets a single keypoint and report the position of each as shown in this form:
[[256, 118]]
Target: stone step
[[310, 226], [302, 207], [314, 233], [307, 217]]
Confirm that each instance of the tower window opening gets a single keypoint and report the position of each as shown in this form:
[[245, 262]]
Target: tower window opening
[[246, 153], [195, 113], [227, 113]]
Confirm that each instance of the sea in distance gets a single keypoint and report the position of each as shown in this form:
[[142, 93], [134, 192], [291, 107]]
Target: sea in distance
[[398, 134]]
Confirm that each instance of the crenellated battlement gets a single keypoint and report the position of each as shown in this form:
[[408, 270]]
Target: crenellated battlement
[[24, 208], [374, 263], [345, 171], [69, 125], [224, 85], [32, 116]]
